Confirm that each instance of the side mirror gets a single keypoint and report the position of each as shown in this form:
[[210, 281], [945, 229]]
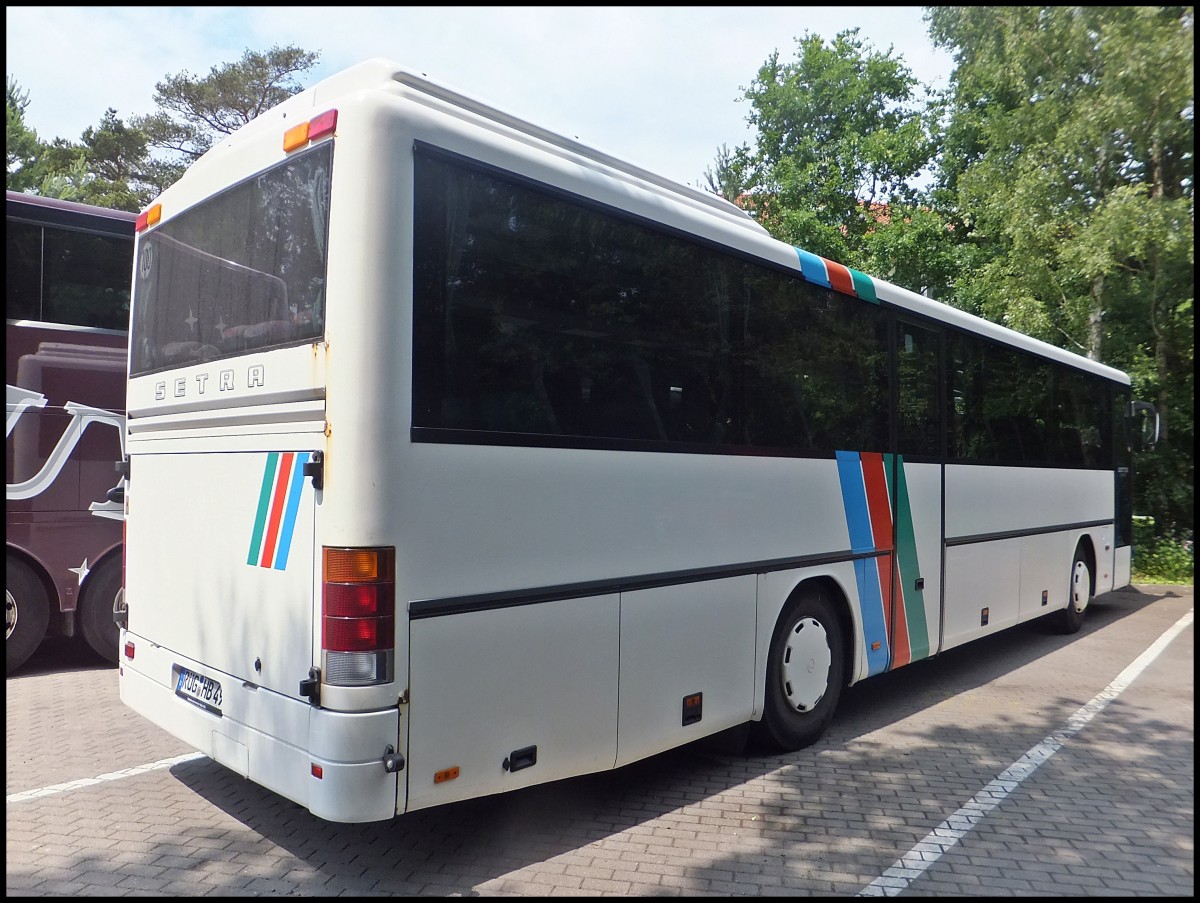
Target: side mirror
[[1147, 425]]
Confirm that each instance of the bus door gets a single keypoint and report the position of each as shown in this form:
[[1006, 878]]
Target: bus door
[[915, 483]]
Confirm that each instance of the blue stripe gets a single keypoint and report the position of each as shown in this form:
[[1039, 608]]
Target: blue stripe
[[812, 268], [866, 570], [854, 497], [289, 516]]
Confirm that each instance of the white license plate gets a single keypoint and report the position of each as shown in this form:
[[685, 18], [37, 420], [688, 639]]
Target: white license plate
[[199, 690]]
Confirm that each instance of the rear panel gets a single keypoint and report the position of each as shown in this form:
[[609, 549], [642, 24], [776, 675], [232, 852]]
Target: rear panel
[[232, 583]]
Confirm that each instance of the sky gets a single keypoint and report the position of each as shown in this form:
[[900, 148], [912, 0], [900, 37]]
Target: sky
[[660, 87]]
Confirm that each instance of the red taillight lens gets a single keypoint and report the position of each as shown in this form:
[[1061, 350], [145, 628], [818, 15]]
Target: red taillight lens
[[359, 601], [322, 125], [359, 634]]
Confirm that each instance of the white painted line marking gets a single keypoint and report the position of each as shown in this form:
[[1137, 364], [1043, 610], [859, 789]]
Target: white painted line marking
[[913, 864], [27, 795]]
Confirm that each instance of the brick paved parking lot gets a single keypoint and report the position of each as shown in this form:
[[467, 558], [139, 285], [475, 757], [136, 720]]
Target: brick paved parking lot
[[1023, 764]]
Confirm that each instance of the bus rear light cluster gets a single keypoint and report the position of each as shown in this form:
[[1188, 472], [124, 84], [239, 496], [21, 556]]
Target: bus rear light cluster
[[358, 616], [148, 218], [317, 127]]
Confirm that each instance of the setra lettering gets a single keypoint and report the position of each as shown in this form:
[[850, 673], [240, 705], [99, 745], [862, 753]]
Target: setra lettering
[[256, 377]]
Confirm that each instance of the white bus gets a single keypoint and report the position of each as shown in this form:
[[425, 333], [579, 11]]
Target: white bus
[[463, 457]]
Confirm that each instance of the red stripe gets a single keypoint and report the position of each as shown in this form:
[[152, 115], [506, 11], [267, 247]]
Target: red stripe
[[840, 279], [277, 505], [875, 483], [881, 520]]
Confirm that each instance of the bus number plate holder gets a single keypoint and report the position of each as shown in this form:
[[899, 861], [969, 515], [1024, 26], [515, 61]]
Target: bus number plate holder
[[202, 692]]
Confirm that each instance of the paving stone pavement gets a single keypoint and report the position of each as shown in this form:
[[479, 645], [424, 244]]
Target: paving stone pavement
[[917, 768]]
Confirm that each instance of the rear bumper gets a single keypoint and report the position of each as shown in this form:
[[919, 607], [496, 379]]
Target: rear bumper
[[270, 738]]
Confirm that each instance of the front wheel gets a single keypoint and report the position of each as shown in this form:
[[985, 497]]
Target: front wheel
[[96, 608], [805, 672], [26, 613], [1070, 619]]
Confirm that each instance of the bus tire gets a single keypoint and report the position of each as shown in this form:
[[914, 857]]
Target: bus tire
[[805, 672], [1079, 596], [26, 613], [96, 609]]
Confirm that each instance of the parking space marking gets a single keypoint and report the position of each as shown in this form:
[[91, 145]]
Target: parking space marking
[[27, 795], [945, 836]]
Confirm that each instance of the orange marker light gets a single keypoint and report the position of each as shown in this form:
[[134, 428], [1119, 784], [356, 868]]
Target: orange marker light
[[448, 775], [296, 136]]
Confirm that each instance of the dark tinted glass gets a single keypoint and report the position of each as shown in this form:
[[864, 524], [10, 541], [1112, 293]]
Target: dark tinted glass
[[243, 271], [62, 275], [918, 424], [87, 279], [537, 314], [23, 271], [1012, 408]]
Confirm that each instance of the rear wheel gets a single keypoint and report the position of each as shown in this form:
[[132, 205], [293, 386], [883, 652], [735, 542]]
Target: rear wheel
[[96, 608], [1070, 619], [805, 672], [26, 613]]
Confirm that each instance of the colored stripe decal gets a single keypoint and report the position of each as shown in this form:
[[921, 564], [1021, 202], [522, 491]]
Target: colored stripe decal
[[264, 497], [864, 286], [909, 567], [278, 509], [277, 501], [875, 496], [812, 268], [875, 482], [866, 572], [289, 517], [839, 277], [897, 620], [830, 274]]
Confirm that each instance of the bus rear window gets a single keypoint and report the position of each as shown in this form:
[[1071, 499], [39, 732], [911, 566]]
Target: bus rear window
[[243, 271]]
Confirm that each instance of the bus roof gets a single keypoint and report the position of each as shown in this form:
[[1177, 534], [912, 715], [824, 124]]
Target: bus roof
[[35, 208], [384, 74]]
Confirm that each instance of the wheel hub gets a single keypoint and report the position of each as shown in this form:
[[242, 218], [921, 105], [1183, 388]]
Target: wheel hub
[[10, 614], [1081, 586], [806, 660]]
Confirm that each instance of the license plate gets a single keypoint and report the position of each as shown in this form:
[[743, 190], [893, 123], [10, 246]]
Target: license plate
[[199, 690]]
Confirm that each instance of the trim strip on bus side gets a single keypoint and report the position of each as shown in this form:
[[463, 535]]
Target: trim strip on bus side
[[433, 608], [1017, 534], [454, 605]]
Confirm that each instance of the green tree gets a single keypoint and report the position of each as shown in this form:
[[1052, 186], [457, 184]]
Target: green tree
[[840, 137], [22, 145], [1069, 153], [195, 112], [126, 164]]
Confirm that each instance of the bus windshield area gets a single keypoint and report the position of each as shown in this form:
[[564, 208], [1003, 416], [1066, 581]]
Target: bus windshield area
[[243, 271]]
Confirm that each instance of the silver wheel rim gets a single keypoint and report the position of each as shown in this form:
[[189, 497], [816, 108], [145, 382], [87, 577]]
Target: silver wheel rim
[[805, 666], [10, 615], [1081, 586]]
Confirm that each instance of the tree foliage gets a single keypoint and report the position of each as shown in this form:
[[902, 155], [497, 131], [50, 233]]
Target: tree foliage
[[126, 164], [194, 112], [839, 132], [1069, 156]]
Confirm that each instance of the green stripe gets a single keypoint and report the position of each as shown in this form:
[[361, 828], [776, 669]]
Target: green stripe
[[910, 567], [864, 286], [264, 500]]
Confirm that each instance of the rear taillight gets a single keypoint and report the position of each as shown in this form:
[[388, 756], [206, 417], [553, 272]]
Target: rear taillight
[[358, 616]]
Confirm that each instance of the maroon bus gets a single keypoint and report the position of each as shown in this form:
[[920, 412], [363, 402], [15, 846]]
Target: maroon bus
[[69, 271]]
